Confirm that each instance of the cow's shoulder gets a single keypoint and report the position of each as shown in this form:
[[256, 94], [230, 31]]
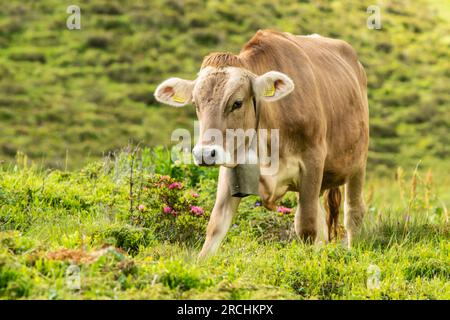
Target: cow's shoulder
[[264, 39], [318, 42], [344, 48]]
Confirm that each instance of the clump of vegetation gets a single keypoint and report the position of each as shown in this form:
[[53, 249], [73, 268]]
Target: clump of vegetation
[[171, 210], [127, 237]]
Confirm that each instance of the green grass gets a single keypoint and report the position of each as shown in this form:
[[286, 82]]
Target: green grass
[[52, 219]]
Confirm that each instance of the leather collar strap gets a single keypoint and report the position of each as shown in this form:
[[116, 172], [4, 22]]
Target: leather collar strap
[[256, 111]]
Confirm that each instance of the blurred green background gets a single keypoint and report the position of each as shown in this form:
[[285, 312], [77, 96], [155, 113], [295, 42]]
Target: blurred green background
[[78, 94]]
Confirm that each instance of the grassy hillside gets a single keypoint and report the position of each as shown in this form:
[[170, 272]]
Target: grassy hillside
[[86, 92], [80, 235]]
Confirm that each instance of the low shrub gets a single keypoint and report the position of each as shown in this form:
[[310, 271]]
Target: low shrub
[[128, 238], [171, 210]]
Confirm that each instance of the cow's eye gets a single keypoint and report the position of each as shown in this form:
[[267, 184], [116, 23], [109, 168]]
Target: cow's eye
[[236, 105]]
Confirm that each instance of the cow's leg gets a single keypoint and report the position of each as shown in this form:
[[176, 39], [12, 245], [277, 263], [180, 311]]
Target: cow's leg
[[354, 207], [221, 216], [308, 217], [321, 223]]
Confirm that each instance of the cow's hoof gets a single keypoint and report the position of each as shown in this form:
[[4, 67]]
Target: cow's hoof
[[307, 235]]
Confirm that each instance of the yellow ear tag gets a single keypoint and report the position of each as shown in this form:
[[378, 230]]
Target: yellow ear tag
[[178, 99], [270, 92]]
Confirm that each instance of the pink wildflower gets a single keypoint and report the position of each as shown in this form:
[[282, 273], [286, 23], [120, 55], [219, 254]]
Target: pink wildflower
[[284, 210], [141, 207], [195, 195], [198, 211], [167, 209], [175, 185]]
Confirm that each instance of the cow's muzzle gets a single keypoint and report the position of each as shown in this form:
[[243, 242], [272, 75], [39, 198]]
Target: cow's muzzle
[[209, 155]]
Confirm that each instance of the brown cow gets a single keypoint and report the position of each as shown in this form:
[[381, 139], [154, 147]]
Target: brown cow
[[311, 88]]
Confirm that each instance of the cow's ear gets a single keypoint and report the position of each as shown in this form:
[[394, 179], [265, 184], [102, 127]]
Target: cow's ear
[[175, 92], [272, 86]]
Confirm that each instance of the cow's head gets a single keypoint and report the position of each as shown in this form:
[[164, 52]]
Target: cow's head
[[225, 97]]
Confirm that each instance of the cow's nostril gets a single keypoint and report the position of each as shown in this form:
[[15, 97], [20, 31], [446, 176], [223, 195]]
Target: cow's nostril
[[213, 153]]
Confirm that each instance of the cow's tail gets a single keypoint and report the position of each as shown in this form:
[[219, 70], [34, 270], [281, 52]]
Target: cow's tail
[[332, 198]]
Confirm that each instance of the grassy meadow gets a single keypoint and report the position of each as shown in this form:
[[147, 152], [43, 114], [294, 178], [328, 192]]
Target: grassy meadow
[[83, 216], [124, 246]]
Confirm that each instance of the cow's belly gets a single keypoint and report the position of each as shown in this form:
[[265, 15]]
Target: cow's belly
[[332, 180], [346, 158]]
